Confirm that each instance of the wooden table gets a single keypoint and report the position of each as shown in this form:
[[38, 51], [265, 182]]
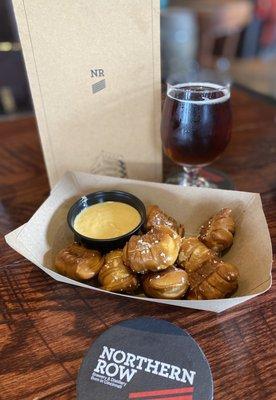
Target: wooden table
[[46, 326]]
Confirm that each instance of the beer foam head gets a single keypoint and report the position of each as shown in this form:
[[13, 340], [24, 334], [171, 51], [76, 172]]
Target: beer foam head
[[174, 91]]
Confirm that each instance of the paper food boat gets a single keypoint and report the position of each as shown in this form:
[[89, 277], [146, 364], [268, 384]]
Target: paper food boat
[[47, 231]]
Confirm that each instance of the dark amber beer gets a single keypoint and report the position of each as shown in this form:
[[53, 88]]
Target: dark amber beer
[[196, 123]]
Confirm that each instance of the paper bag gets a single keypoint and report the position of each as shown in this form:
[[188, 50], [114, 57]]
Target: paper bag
[[94, 74], [47, 232]]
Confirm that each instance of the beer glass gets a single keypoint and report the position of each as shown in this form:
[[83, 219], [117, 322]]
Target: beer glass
[[196, 126]]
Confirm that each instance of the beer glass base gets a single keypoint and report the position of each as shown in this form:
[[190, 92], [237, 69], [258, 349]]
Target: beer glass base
[[208, 178]]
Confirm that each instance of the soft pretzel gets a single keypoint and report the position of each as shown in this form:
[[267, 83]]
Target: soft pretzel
[[172, 283], [156, 217], [154, 251], [77, 262], [218, 232], [115, 276], [209, 276]]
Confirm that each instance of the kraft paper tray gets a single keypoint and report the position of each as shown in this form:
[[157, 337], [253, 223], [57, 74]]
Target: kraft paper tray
[[47, 232]]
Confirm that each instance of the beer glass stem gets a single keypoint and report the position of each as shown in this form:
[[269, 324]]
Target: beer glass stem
[[191, 176]]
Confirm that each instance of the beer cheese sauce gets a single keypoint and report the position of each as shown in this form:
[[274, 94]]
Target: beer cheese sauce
[[107, 220]]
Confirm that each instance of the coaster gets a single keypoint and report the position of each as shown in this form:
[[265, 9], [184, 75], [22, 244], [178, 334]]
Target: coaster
[[145, 359]]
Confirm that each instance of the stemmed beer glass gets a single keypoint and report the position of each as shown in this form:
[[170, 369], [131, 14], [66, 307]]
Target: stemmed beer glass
[[196, 126]]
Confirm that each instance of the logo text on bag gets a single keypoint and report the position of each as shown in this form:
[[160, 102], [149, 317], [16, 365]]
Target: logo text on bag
[[96, 73], [100, 84]]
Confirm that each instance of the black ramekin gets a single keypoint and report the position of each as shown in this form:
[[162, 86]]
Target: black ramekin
[[105, 245]]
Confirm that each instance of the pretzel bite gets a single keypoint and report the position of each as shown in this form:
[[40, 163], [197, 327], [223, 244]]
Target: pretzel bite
[[156, 217], [218, 232], [115, 276], [77, 262], [209, 276], [172, 283], [156, 250]]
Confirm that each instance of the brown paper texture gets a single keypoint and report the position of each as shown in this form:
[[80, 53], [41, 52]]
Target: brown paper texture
[[98, 121], [47, 231]]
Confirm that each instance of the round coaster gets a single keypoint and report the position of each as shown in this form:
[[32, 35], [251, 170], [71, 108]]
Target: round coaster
[[145, 359]]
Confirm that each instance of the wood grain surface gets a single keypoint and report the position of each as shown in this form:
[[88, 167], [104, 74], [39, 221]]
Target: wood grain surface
[[46, 327]]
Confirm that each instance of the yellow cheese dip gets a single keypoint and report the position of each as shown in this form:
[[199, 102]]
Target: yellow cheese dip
[[107, 220]]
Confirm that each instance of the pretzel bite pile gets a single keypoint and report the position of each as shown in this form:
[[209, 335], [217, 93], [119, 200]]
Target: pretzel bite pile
[[162, 262]]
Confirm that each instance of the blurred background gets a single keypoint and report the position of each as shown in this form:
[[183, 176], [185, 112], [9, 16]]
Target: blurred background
[[235, 36]]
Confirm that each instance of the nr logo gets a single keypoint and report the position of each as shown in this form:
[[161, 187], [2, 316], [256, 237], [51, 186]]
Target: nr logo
[[96, 73], [98, 85]]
